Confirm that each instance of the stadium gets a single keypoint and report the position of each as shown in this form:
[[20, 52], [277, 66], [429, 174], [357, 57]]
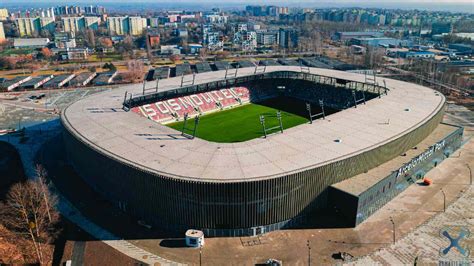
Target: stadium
[[249, 151]]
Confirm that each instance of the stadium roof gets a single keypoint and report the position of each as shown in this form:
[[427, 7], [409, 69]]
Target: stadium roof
[[99, 121]]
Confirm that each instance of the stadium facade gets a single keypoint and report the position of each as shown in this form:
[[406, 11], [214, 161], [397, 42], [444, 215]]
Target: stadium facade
[[257, 186]]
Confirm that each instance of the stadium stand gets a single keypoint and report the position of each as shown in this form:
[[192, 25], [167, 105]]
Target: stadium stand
[[220, 65], [183, 69], [203, 67], [161, 73], [269, 63], [312, 62], [245, 63], [174, 109], [288, 62]]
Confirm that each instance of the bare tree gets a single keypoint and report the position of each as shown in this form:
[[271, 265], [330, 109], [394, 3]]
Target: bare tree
[[29, 210], [148, 47], [373, 57], [90, 38], [135, 71]]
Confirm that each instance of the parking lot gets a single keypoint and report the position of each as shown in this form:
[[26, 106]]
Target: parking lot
[[22, 109]]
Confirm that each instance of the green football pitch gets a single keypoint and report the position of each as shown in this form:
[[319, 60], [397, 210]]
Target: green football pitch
[[242, 123]]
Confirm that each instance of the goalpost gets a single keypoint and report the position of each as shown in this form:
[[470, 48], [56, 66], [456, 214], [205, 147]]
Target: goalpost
[[185, 128], [267, 130], [311, 116]]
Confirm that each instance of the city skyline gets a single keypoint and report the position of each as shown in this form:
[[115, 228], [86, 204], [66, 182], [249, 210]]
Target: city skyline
[[460, 6]]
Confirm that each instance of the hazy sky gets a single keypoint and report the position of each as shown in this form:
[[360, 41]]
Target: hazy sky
[[245, 1], [439, 5]]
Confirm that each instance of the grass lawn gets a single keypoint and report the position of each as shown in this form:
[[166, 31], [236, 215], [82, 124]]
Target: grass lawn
[[242, 123], [9, 52]]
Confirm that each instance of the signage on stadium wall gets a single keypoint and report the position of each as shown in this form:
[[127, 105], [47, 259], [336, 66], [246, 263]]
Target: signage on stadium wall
[[420, 158]]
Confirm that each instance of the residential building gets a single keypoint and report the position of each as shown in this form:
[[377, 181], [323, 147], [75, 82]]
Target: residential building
[[73, 24], [154, 39], [240, 27], [287, 38], [3, 14], [92, 22], [216, 18], [267, 38], [47, 24], [94, 10], [246, 40], [2, 33], [126, 25], [77, 24], [153, 22], [28, 26], [117, 25], [136, 25], [213, 41]]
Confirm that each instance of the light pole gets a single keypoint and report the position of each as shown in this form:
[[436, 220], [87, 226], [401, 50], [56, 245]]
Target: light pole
[[309, 253], [470, 173], [200, 255], [444, 200], [393, 229]]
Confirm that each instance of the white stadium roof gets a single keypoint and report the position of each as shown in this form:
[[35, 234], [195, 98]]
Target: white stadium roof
[[120, 134]]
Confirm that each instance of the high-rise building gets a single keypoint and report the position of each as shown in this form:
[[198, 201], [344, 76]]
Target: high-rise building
[[76, 24], [153, 22], [126, 25], [94, 10], [288, 38], [92, 22], [267, 38], [136, 25], [117, 25], [47, 24], [2, 33], [73, 24], [3, 14], [28, 26]]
